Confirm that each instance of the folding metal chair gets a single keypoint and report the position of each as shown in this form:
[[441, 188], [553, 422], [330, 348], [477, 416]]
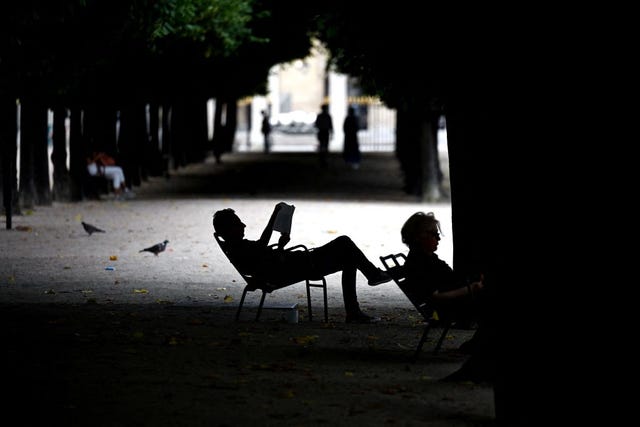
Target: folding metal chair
[[394, 264], [254, 283]]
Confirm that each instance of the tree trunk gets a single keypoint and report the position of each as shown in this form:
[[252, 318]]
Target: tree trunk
[[132, 142], [166, 141], [153, 164], [417, 151], [8, 152], [34, 162], [61, 178], [77, 154]]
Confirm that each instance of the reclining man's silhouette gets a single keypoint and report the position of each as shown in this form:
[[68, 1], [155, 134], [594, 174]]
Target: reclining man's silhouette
[[287, 267]]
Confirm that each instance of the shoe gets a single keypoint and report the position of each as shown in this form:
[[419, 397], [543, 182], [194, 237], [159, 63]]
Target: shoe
[[360, 317], [379, 278]]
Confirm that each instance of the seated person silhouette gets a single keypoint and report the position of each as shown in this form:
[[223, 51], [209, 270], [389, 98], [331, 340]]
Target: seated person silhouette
[[432, 280], [101, 164], [288, 267]]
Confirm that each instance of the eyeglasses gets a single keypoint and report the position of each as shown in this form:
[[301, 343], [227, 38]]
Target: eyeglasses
[[432, 233]]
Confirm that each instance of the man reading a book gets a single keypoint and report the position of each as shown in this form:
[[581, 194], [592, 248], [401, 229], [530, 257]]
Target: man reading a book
[[289, 267]]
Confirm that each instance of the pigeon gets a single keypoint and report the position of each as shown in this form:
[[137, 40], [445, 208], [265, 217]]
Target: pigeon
[[91, 228], [157, 248]]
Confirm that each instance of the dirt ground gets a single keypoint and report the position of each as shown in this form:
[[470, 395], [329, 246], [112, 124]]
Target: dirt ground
[[154, 341]]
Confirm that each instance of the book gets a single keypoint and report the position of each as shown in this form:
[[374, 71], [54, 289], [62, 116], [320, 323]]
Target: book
[[284, 217]]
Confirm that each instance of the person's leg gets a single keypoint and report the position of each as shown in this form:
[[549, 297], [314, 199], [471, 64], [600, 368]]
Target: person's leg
[[340, 254], [116, 175]]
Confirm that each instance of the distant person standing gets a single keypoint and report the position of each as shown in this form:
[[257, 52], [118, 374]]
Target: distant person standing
[[266, 131], [324, 125], [351, 150]]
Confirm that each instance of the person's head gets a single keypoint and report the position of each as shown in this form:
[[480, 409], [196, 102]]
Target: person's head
[[324, 108], [351, 110], [227, 224], [421, 232]]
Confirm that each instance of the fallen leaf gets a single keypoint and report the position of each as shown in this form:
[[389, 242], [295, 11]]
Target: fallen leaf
[[24, 228], [140, 291], [304, 340], [348, 373], [228, 298], [113, 257]]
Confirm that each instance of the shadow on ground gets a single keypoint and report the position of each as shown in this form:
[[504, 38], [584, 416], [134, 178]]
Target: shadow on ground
[[286, 175]]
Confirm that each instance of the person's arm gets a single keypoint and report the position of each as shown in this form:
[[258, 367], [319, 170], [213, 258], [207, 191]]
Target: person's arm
[[464, 292], [266, 234]]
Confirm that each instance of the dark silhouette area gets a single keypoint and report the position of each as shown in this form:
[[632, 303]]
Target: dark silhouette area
[[265, 128], [351, 150], [324, 127], [288, 267], [454, 296]]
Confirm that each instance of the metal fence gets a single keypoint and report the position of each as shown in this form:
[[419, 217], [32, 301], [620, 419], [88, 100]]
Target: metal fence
[[377, 123]]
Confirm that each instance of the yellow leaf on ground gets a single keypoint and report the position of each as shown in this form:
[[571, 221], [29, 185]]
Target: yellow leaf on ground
[[113, 257], [228, 298], [304, 340], [140, 291]]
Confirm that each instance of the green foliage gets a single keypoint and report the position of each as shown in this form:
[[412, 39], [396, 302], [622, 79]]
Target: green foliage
[[221, 25]]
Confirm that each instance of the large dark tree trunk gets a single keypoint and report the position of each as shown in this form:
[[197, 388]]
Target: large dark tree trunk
[[34, 160], [61, 178], [502, 226], [8, 153]]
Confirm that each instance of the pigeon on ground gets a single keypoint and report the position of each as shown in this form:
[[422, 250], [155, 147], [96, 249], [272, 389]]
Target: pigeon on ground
[[157, 248], [91, 228]]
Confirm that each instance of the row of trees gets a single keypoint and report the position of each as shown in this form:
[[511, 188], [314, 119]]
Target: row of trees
[[102, 61]]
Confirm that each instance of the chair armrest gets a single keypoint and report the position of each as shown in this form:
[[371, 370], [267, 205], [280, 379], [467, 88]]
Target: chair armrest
[[297, 248]]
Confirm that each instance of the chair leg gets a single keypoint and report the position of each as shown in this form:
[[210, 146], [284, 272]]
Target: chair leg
[[326, 305], [425, 333], [264, 294], [445, 330], [244, 294], [309, 300]]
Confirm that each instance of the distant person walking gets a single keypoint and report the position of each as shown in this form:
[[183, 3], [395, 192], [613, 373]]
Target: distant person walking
[[351, 150], [266, 131], [324, 125]]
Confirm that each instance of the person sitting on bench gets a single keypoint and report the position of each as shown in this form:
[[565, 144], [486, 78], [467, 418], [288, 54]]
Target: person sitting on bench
[[101, 164]]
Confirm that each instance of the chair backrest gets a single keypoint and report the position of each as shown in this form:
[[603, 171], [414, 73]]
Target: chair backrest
[[253, 281], [394, 264]]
